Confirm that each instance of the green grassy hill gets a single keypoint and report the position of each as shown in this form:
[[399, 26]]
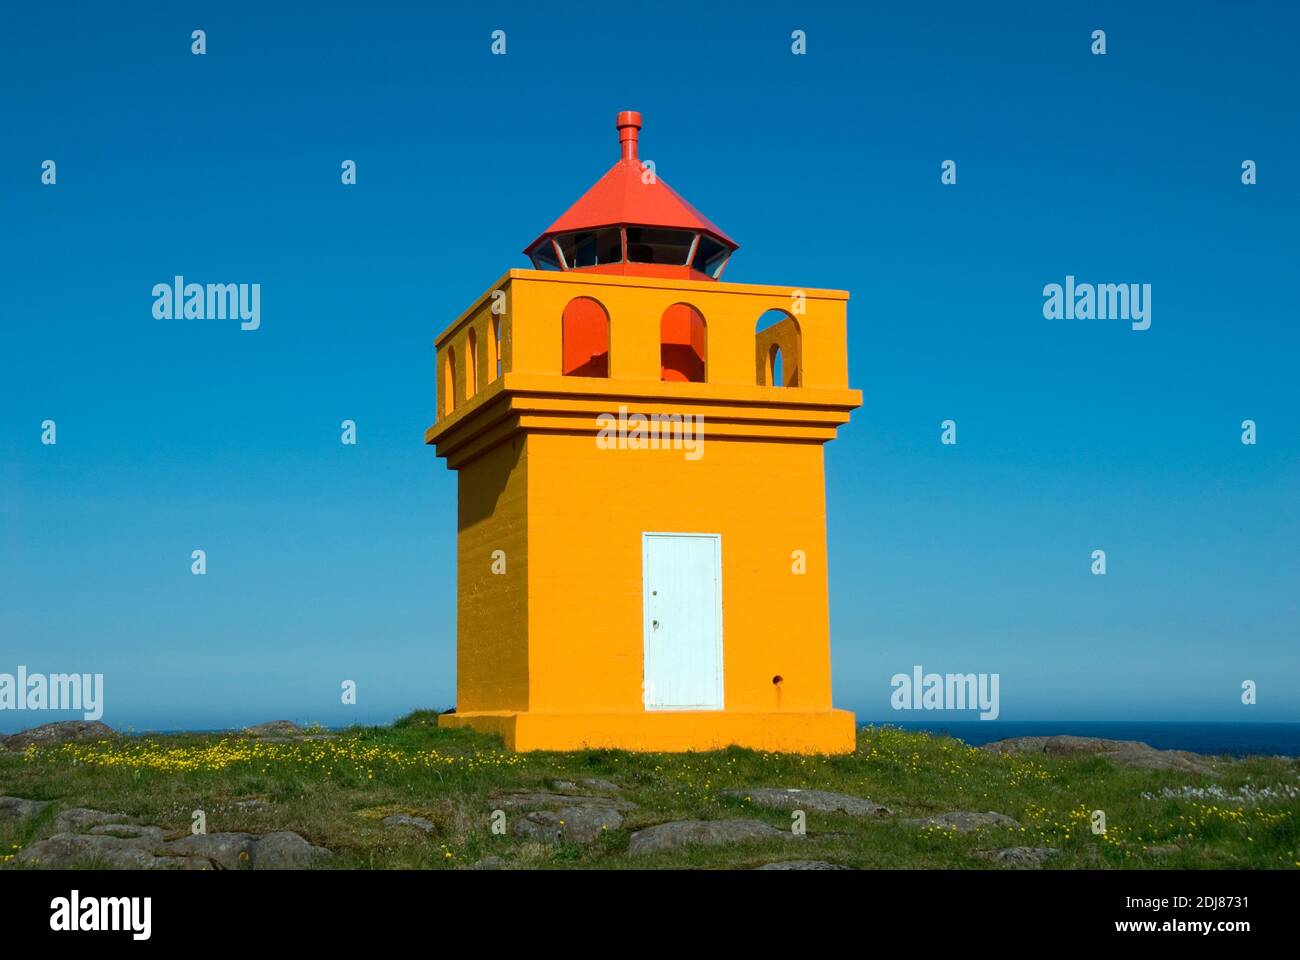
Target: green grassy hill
[[336, 789]]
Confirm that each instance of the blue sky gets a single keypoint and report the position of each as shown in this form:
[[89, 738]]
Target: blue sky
[[329, 562]]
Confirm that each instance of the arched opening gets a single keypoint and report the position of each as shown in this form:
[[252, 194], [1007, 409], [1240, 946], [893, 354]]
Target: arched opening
[[449, 381], [494, 349], [778, 350], [471, 363], [683, 338], [586, 339]]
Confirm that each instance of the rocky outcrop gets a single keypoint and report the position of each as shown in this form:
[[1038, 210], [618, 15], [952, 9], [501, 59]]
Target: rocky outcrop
[[89, 837], [803, 865], [53, 734], [964, 821], [569, 813], [82, 819], [128, 831], [274, 728], [711, 833], [16, 808], [600, 785], [64, 850], [581, 824], [789, 798], [406, 820], [286, 850], [595, 784], [1131, 753], [1018, 856], [229, 851]]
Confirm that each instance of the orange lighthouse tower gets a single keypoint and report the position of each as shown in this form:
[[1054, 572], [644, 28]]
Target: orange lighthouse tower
[[641, 490]]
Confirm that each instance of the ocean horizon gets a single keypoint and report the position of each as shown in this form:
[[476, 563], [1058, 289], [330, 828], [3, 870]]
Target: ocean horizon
[[1230, 738], [1237, 739]]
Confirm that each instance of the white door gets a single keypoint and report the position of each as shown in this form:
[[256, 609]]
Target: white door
[[682, 604]]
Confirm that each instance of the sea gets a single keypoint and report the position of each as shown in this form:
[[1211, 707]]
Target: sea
[[1232, 739]]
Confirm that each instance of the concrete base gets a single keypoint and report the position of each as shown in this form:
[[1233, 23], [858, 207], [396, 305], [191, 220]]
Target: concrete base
[[829, 731]]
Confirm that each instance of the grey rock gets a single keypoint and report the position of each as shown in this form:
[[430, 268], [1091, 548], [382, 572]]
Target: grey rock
[[78, 819], [65, 850], [274, 728], [1019, 856], [580, 788], [129, 846], [53, 734], [964, 821], [286, 850], [128, 831], [1131, 753], [489, 863], [16, 808], [521, 800], [789, 798], [681, 833], [803, 865], [588, 783], [405, 820], [582, 824], [230, 851]]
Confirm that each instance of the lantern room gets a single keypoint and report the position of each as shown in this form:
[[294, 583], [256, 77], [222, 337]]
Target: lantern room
[[641, 517], [633, 224]]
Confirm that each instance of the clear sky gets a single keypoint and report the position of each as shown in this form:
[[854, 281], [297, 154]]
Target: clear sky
[[328, 562]]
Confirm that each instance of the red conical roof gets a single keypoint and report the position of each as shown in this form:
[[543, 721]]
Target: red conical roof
[[619, 197], [623, 197]]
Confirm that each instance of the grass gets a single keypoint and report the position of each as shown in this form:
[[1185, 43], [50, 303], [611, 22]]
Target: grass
[[335, 791]]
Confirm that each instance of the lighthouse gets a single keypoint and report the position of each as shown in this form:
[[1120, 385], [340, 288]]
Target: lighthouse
[[641, 512]]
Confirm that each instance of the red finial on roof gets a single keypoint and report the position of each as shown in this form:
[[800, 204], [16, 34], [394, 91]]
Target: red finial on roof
[[629, 130]]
